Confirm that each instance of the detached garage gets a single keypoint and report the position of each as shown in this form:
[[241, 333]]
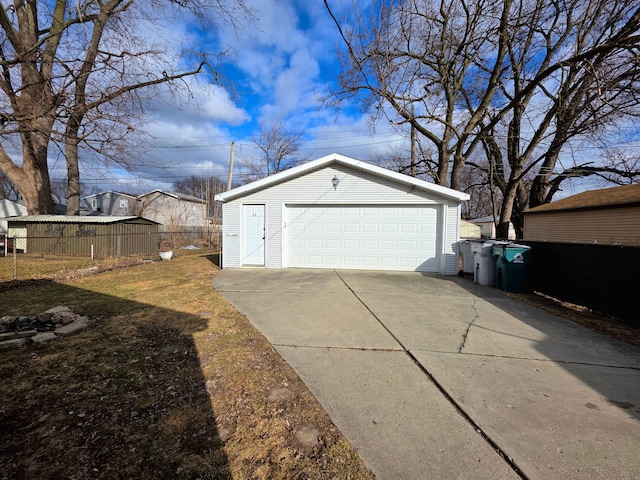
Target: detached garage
[[338, 212]]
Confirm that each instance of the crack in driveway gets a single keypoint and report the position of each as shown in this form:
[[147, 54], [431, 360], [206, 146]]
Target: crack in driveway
[[440, 388], [466, 333]]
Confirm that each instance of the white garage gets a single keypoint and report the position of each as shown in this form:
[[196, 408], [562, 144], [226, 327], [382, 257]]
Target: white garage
[[338, 212]]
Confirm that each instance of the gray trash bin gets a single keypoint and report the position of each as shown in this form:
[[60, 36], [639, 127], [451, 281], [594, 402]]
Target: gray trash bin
[[485, 263]]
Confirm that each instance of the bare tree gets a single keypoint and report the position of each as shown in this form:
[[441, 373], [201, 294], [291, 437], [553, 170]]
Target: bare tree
[[73, 72], [278, 149], [419, 58], [520, 79], [205, 188]]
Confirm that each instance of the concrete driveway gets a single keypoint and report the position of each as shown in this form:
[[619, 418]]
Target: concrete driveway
[[437, 377]]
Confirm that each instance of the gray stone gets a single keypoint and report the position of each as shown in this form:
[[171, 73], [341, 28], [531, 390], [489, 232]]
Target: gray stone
[[43, 337], [45, 317], [25, 334], [71, 328], [16, 342], [58, 310], [7, 319]]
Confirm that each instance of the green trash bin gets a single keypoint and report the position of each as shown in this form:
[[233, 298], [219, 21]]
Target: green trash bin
[[511, 266]]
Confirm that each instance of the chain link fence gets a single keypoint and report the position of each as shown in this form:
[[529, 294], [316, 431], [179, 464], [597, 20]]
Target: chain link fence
[[28, 258]]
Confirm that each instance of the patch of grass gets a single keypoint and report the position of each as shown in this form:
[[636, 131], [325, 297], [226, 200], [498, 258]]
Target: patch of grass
[[169, 381]]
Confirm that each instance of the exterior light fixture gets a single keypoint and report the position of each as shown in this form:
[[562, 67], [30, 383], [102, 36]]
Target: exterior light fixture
[[335, 181]]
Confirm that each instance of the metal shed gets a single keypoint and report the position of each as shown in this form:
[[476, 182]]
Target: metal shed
[[100, 236]]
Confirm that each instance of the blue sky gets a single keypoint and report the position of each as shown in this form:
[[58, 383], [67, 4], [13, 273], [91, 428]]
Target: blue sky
[[277, 72]]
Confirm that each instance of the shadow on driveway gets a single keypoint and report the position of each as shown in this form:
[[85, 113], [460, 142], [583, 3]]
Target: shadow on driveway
[[541, 397]]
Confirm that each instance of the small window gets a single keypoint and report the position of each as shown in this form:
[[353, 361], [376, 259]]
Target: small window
[[95, 203], [124, 203]]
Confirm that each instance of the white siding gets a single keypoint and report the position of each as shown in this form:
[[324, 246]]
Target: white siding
[[355, 187], [174, 212], [231, 235], [451, 238]]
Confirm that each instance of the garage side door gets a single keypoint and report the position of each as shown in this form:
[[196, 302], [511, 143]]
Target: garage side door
[[363, 237]]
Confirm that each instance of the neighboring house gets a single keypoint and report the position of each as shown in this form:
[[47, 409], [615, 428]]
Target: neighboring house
[[338, 212], [110, 203], [488, 227], [173, 209], [609, 216], [101, 236], [470, 230], [9, 208], [166, 208]]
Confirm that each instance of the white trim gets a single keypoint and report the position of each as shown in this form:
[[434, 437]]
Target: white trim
[[444, 228], [344, 160], [284, 240]]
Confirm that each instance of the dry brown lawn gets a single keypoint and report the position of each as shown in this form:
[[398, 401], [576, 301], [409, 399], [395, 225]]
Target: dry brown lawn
[[169, 381]]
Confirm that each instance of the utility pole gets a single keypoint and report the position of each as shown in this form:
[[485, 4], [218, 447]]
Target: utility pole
[[233, 149]]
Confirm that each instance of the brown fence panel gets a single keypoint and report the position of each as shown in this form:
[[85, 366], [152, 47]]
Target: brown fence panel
[[603, 278]]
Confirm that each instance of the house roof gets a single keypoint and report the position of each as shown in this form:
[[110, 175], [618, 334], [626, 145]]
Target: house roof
[[625, 195], [487, 219], [179, 196], [111, 191], [74, 219], [9, 208], [336, 158]]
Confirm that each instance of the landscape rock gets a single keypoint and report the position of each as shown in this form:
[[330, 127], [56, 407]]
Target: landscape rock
[[43, 337], [70, 328], [55, 322], [15, 342]]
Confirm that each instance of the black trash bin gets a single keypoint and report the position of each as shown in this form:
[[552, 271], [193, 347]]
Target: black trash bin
[[511, 266]]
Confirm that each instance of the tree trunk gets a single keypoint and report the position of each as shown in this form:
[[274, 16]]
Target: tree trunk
[[456, 171], [73, 169], [34, 185]]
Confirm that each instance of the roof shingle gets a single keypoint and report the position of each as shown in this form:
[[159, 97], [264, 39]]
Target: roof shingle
[[606, 197]]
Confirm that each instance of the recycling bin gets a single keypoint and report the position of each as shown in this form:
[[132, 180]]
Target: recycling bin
[[511, 266], [485, 265]]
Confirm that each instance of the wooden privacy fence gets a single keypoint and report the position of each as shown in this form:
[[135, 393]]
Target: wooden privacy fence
[[603, 278]]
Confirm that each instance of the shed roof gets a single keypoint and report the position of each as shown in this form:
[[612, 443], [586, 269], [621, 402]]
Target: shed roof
[[76, 219], [336, 158], [625, 195]]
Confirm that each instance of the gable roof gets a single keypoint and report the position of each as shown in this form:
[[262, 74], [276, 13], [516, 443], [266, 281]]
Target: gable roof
[[179, 196], [336, 158], [122, 194], [625, 195]]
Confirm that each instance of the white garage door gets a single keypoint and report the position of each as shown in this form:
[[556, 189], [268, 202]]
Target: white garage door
[[363, 237]]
